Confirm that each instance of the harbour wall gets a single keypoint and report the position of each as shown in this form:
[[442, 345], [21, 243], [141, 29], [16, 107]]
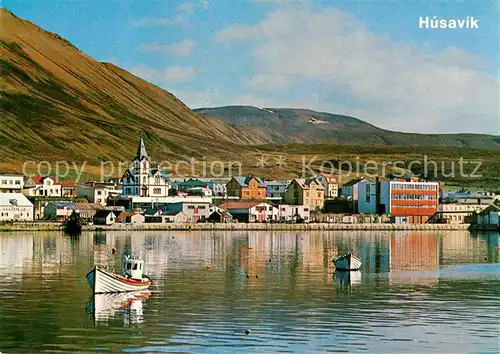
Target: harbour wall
[[56, 226]]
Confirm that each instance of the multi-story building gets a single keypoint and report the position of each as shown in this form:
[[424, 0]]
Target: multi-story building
[[11, 183], [305, 191], [42, 186], [275, 190], [350, 189], [330, 183], [406, 201], [142, 180], [454, 213], [15, 207], [96, 192], [246, 188]]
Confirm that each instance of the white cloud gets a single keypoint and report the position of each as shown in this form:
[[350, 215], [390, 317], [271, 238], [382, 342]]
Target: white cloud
[[173, 74], [181, 49], [352, 71]]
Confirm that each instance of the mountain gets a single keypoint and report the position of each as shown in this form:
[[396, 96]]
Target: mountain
[[57, 102], [285, 125]]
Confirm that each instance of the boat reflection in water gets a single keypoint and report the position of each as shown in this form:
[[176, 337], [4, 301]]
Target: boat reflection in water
[[347, 278], [104, 307]]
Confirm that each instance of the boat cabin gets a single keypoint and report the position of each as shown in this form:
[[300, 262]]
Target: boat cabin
[[133, 267]]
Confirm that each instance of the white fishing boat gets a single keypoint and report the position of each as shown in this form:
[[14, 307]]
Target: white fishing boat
[[102, 280], [347, 262]]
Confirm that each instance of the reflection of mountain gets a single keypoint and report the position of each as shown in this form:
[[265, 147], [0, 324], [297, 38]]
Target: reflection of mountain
[[103, 307]]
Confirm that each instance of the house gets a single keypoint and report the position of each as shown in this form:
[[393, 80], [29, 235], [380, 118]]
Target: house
[[98, 192], [251, 211], [104, 217], [349, 189], [15, 207], [11, 183], [219, 215], [142, 180], [405, 201], [305, 191], [43, 186], [58, 210], [330, 183], [203, 191], [186, 185], [275, 190], [177, 217], [454, 213], [293, 213], [217, 185], [246, 188], [490, 215], [88, 210], [195, 211], [68, 189], [127, 217]]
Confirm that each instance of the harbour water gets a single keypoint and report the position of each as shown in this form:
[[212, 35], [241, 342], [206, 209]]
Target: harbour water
[[417, 292]]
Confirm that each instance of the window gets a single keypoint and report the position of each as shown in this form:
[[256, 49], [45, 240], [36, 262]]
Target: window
[[129, 266], [319, 195], [4, 181], [99, 192], [135, 267]]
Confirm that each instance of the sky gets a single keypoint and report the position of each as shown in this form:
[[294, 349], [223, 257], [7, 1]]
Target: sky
[[367, 59]]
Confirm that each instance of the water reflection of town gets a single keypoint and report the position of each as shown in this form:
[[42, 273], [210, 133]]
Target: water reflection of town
[[250, 254]]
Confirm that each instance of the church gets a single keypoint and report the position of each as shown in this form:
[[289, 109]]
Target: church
[[143, 181]]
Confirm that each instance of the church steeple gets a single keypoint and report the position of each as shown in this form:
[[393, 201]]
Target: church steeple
[[141, 150]]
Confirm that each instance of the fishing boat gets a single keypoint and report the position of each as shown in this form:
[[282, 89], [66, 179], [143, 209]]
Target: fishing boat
[[347, 262], [73, 225], [102, 280]]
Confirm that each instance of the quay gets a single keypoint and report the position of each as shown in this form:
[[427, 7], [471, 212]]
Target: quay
[[56, 226]]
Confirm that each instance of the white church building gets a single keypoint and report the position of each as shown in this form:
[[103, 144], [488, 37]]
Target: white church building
[[143, 181]]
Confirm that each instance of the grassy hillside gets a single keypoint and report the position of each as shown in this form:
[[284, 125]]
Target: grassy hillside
[[285, 125], [57, 102]]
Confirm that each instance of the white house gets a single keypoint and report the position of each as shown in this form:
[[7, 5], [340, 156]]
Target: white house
[[42, 186], [15, 207], [105, 217], [98, 192], [251, 211], [11, 183], [330, 183], [293, 212], [142, 180]]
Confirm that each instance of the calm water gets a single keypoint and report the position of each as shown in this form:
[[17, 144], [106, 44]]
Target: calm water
[[417, 292]]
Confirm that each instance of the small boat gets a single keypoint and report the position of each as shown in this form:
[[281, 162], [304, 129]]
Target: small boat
[[347, 262], [73, 225], [101, 280]]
